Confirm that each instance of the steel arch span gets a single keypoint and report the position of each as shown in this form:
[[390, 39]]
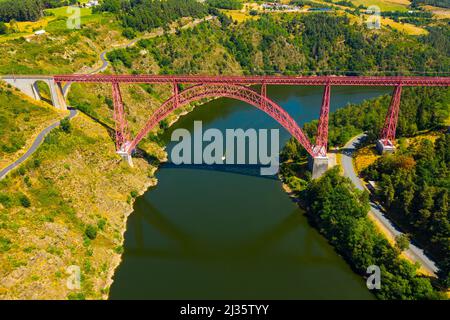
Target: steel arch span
[[234, 91]]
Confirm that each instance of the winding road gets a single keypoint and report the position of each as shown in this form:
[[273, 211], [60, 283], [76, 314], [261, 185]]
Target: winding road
[[159, 32], [104, 65], [36, 143], [376, 211]]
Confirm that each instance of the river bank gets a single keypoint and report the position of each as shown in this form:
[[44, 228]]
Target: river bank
[[117, 259], [326, 219], [208, 224], [149, 184], [354, 236]]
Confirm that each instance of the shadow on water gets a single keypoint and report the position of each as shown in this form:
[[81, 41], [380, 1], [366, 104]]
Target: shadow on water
[[225, 231], [243, 169], [189, 248]]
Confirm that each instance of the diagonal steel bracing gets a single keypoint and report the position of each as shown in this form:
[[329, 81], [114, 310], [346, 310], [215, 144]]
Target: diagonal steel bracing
[[387, 134], [320, 147], [236, 87], [122, 133]]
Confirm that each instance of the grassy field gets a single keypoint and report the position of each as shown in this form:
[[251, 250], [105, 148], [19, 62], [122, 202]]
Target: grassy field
[[60, 50], [21, 119], [55, 20], [238, 15], [404, 27], [440, 13], [385, 5], [364, 157], [75, 182]]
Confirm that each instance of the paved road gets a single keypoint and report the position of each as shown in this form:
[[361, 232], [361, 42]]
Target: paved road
[[37, 142], [413, 252]]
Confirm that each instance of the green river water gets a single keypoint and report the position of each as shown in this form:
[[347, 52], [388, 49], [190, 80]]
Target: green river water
[[226, 232]]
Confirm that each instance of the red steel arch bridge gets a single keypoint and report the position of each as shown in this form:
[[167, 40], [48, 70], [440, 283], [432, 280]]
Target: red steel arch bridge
[[239, 87]]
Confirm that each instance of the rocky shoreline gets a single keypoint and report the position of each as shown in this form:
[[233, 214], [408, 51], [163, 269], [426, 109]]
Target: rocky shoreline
[[117, 259]]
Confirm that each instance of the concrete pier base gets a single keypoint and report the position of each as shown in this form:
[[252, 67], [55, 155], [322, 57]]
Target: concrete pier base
[[385, 146], [28, 86], [318, 166], [127, 157]]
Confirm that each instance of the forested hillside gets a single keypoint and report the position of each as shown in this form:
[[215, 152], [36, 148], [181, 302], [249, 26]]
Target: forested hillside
[[339, 211], [437, 3], [316, 43], [421, 109], [413, 185], [28, 10], [147, 14]]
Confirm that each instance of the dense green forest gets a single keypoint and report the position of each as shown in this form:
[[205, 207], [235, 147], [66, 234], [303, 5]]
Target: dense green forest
[[436, 3], [413, 185], [339, 211], [439, 38], [316, 43], [143, 15], [28, 10], [421, 109], [225, 4], [419, 18]]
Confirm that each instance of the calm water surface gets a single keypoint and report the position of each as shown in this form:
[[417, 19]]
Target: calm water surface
[[225, 232]]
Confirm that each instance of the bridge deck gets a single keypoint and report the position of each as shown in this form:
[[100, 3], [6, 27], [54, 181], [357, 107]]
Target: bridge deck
[[270, 80]]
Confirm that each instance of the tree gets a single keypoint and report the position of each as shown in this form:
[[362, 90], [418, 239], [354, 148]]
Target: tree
[[339, 211], [226, 4], [402, 241], [91, 231], [3, 28], [65, 125], [129, 33], [24, 201]]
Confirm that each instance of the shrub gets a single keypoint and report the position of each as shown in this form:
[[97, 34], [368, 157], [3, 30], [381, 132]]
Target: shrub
[[134, 194], [5, 200], [3, 28], [101, 224], [36, 163], [91, 232], [5, 244], [65, 125], [76, 296], [24, 201], [402, 242], [129, 33]]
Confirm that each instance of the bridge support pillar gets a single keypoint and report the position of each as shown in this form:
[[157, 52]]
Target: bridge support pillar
[[57, 95], [318, 166], [126, 156], [29, 87], [385, 146]]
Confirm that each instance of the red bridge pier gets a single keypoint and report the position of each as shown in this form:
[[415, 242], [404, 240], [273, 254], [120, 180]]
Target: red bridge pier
[[318, 162], [200, 87], [387, 136]]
